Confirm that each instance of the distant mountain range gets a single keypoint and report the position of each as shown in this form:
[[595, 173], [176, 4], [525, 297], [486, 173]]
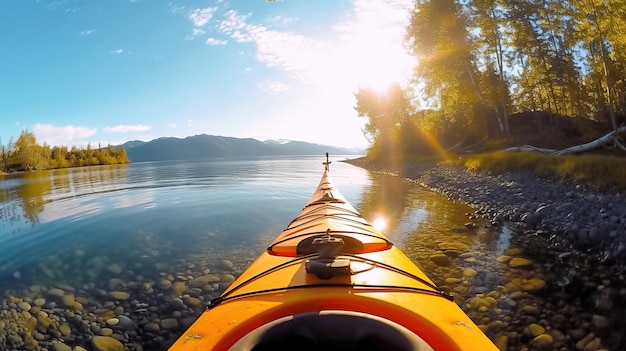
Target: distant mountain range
[[207, 146]]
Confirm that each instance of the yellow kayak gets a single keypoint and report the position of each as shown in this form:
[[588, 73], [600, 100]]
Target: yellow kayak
[[331, 281]]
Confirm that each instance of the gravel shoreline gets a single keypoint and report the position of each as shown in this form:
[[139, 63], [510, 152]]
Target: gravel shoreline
[[570, 217]]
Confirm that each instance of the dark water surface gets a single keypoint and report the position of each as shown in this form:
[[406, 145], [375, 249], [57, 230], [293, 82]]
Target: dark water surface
[[151, 229]]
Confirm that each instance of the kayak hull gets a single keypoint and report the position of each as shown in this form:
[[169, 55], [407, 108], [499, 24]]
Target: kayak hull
[[369, 293]]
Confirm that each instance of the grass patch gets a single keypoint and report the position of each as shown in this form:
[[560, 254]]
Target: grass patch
[[597, 171]]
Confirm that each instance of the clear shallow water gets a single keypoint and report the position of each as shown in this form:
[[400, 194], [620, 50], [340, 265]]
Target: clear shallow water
[[84, 229], [111, 208]]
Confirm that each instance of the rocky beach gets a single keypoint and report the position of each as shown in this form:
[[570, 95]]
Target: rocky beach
[[561, 286], [571, 217]]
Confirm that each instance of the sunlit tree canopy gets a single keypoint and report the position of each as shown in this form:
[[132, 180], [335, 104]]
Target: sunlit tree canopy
[[481, 61]]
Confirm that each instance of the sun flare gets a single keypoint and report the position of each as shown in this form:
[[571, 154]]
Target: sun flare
[[379, 223]]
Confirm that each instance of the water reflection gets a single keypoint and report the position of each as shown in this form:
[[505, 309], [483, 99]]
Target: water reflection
[[53, 194]]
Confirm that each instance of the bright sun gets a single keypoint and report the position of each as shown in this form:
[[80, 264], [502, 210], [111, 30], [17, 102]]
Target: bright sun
[[379, 223], [377, 59]]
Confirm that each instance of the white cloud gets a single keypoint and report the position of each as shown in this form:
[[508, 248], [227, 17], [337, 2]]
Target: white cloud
[[283, 21], [200, 17], [273, 87], [122, 128], [117, 51], [213, 41], [65, 135], [233, 22], [288, 51], [87, 32], [367, 49], [197, 31], [172, 125]]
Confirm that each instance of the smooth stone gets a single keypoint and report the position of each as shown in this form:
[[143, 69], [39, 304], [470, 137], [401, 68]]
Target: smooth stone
[[119, 295], [54, 292], [68, 300], [543, 341], [502, 342], [31, 323], [125, 322], [43, 322], [106, 343], [449, 245], [65, 329], [116, 283], [533, 284], [227, 264], [467, 255], [192, 302], [203, 280], [513, 251], [30, 343], [491, 301], [178, 288], [64, 287], [115, 268], [177, 302], [593, 345], [169, 323], [530, 309], [228, 278], [113, 321], [55, 333], [453, 253], [453, 280], [39, 301], [440, 259], [59, 346], [536, 329], [477, 302], [503, 258], [558, 337], [493, 294], [152, 327], [24, 306], [580, 345], [469, 272], [164, 284], [106, 331], [519, 262], [600, 322], [529, 284]]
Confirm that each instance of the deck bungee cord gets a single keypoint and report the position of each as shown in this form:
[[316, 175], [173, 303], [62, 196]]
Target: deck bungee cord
[[374, 264]]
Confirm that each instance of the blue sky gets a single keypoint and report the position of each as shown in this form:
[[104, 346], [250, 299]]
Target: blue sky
[[74, 72]]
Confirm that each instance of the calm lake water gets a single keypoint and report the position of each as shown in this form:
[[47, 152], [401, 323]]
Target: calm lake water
[[82, 229]]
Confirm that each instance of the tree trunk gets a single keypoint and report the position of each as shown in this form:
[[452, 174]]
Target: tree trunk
[[612, 137]]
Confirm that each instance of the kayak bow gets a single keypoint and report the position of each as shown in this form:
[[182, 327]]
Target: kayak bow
[[331, 281]]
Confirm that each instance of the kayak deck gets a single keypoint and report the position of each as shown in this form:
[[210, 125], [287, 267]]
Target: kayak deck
[[331, 281]]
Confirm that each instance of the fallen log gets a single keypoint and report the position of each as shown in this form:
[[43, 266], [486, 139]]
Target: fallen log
[[612, 137]]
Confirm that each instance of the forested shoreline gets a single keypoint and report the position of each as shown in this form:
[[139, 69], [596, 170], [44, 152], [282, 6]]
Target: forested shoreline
[[25, 155], [479, 62]]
